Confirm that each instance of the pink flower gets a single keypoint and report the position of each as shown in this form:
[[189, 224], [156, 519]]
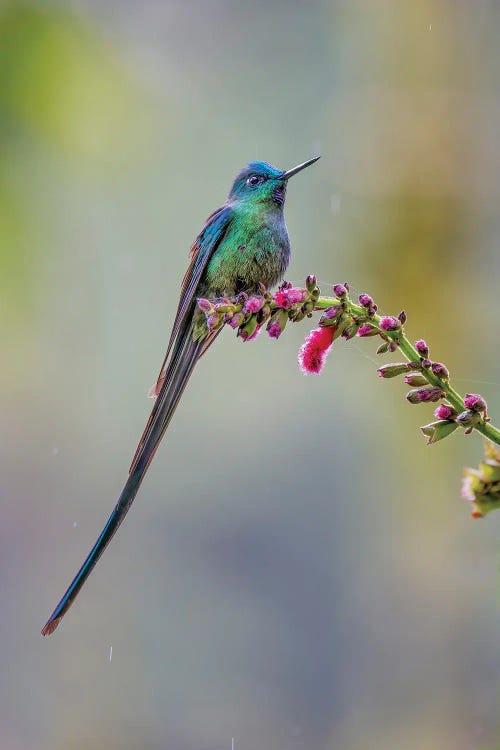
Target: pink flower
[[274, 330], [285, 298], [205, 305], [445, 412], [213, 322], [475, 402], [250, 336], [422, 348], [389, 323], [440, 370], [314, 350], [367, 330], [425, 393], [236, 320], [253, 304], [332, 312], [340, 290], [365, 300]]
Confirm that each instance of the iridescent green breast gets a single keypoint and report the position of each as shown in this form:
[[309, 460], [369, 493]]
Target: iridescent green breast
[[255, 248]]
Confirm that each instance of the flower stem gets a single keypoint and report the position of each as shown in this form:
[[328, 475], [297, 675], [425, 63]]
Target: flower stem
[[485, 428]]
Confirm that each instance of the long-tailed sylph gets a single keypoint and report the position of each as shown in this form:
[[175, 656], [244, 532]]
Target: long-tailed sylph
[[242, 246]]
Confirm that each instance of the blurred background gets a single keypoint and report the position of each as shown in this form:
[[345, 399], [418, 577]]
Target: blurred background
[[299, 570]]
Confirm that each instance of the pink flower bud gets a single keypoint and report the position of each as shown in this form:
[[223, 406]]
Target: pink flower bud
[[440, 371], [339, 290], [392, 370], [475, 402], [332, 312], [236, 320], [296, 295], [424, 394], [274, 330], [214, 322], [253, 304], [415, 380], [367, 330], [389, 323], [286, 298], [444, 411], [204, 305], [311, 283], [468, 418], [365, 300], [349, 331], [249, 330], [253, 335], [422, 348]]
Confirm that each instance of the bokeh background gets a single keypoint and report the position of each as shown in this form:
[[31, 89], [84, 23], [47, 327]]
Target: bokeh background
[[299, 570]]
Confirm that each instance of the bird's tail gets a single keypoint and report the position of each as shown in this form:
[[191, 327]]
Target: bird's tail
[[184, 357]]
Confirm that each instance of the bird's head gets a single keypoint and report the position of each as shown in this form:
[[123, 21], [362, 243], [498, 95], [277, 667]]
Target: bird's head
[[260, 182]]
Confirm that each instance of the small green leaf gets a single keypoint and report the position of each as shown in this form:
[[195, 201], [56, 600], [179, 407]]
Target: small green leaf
[[438, 430]]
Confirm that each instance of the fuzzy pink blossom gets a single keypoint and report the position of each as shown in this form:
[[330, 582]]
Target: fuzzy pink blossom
[[285, 298], [250, 337], [236, 320], [475, 402], [445, 412], [314, 350], [253, 305], [389, 323], [274, 330]]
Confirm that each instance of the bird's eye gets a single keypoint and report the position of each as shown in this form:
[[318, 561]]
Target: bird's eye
[[254, 179]]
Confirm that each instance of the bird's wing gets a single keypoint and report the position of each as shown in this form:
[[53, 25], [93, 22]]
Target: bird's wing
[[200, 253]]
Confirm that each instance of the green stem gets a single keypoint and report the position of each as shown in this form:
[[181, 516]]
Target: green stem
[[485, 428]]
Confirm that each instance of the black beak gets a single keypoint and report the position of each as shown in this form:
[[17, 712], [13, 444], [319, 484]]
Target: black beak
[[299, 168]]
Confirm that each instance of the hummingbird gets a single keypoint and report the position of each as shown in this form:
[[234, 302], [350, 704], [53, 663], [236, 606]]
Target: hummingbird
[[243, 245]]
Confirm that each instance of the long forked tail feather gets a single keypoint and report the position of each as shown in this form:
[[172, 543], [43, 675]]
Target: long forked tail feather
[[184, 357]]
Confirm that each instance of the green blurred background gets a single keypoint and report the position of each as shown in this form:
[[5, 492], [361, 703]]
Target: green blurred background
[[299, 570]]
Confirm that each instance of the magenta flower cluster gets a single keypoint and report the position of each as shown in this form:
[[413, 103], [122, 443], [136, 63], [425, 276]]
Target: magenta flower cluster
[[248, 314]]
